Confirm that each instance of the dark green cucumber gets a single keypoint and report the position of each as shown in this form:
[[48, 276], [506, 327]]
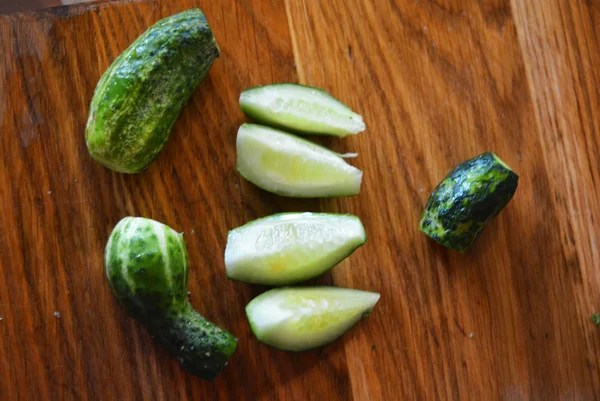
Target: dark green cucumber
[[147, 268], [468, 198], [142, 93]]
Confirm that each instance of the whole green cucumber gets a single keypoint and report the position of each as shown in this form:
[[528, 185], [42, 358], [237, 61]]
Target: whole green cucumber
[[140, 96], [146, 265], [467, 199]]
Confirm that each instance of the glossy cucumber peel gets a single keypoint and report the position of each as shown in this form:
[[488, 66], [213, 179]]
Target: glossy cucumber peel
[[300, 108], [302, 318], [140, 96], [288, 248], [467, 199], [146, 265], [287, 165]]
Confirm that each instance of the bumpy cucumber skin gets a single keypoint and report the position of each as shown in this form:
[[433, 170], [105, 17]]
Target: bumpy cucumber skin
[[140, 96], [146, 265], [466, 200], [201, 347], [305, 126], [298, 278]]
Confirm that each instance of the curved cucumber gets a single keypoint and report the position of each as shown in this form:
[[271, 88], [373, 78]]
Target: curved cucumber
[[300, 108], [287, 165], [146, 266], [139, 97], [302, 318], [467, 199], [291, 247]]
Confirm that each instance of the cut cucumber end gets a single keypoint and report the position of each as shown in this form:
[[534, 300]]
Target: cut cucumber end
[[115, 167], [300, 108], [303, 318], [288, 248], [287, 165], [501, 162]]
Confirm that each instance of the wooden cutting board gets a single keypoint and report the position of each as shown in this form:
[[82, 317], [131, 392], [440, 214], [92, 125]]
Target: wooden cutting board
[[437, 82]]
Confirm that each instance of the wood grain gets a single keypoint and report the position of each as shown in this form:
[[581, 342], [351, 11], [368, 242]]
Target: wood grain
[[437, 82], [7, 6]]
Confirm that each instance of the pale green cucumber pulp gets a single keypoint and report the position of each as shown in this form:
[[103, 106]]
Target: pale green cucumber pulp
[[302, 318], [300, 108], [291, 247], [287, 165]]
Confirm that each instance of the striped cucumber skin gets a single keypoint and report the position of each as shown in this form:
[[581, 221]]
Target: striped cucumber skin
[[300, 108], [147, 268], [287, 165], [288, 248], [140, 96], [303, 318], [467, 199]]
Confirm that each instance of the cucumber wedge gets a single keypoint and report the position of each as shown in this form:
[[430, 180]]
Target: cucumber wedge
[[300, 108], [302, 318], [291, 247], [287, 165]]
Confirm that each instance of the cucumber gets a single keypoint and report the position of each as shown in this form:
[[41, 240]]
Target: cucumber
[[287, 165], [300, 108], [146, 265], [140, 96], [302, 318], [468, 198], [288, 248]]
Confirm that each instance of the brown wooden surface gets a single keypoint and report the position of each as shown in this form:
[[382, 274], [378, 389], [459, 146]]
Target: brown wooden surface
[[7, 6], [437, 82]]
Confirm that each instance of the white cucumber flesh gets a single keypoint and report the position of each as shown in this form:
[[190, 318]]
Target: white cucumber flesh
[[302, 318], [300, 108], [288, 248], [288, 165]]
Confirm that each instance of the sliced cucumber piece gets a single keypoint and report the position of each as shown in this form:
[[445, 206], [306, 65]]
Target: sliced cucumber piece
[[287, 165], [300, 108], [302, 318], [288, 248]]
